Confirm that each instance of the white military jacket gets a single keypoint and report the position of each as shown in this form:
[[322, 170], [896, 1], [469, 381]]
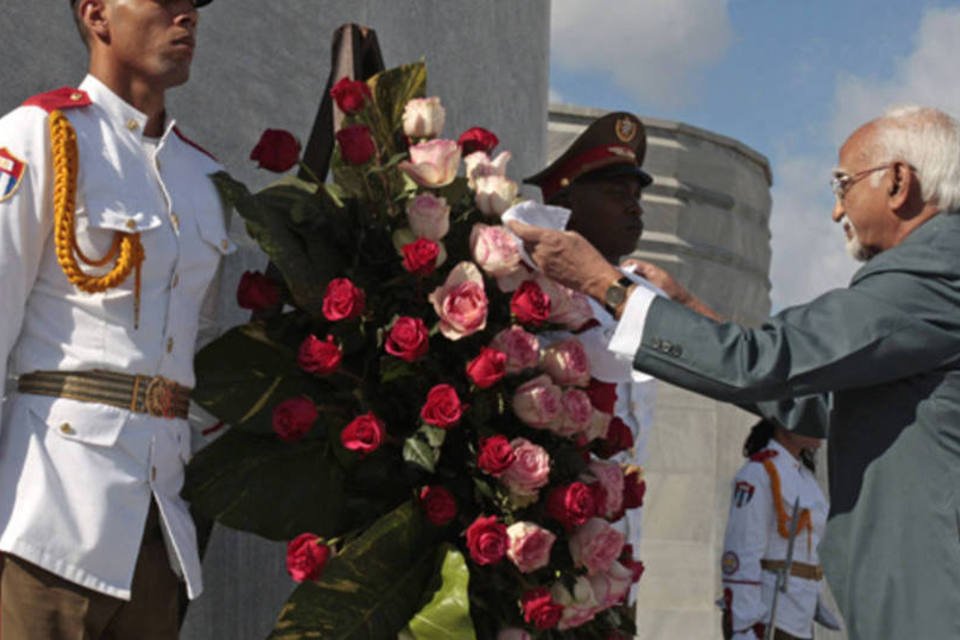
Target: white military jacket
[[752, 535], [76, 478]]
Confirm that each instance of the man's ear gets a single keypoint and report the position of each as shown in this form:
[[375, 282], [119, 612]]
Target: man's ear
[[904, 191], [93, 14]]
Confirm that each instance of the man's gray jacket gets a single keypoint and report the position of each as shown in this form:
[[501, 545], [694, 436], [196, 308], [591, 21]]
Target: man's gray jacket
[[876, 366]]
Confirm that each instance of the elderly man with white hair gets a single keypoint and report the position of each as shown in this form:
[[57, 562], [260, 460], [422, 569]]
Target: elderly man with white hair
[[874, 366]]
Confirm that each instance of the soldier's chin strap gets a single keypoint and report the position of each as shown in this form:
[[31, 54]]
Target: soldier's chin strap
[[126, 247]]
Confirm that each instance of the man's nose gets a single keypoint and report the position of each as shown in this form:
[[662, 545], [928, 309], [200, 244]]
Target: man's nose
[[837, 210]]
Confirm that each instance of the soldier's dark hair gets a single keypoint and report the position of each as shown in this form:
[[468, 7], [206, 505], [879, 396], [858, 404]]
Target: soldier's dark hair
[[759, 438]]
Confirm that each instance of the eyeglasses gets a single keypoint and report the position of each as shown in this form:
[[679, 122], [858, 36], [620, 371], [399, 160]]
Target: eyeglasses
[[841, 182]]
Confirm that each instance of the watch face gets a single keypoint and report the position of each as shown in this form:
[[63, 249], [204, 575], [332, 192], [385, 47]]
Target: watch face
[[615, 295]]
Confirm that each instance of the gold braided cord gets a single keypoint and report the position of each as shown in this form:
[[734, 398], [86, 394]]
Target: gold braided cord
[[126, 247], [805, 520]]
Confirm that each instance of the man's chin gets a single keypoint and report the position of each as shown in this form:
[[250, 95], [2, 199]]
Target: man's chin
[[859, 252]]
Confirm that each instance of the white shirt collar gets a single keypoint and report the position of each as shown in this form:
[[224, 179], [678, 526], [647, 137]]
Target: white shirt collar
[[119, 110]]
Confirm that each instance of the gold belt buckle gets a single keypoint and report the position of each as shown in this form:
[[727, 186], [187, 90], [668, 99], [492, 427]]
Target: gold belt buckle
[[158, 397]]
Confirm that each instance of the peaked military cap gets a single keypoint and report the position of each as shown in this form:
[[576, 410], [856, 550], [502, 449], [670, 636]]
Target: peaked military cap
[[613, 145], [196, 3]]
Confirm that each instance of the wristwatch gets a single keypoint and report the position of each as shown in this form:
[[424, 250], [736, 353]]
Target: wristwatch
[[616, 295]]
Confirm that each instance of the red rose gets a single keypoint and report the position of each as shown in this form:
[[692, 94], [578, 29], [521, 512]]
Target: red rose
[[408, 339], [487, 540], [350, 95], [306, 557], [343, 300], [320, 357], [364, 434], [496, 455], [530, 304], [438, 504], [293, 418], [443, 407], [257, 292], [571, 504], [539, 609], [634, 488], [636, 568], [488, 368], [277, 150], [420, 256], [477, 139], [356, 144], [619, 438], [603, 395]]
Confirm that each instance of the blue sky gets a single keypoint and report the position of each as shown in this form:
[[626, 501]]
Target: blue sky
[[790, 78]]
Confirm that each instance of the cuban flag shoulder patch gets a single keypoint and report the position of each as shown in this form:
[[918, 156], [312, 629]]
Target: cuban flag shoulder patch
[[742, 493], [12, 171]]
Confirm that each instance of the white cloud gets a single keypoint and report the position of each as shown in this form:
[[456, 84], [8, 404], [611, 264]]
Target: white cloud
[[927, 76], [656, 51], [808, 247], [808, 253]]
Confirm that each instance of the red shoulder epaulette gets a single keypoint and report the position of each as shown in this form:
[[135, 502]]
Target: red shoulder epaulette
[[59, 99], [193, 144], [766, 454]]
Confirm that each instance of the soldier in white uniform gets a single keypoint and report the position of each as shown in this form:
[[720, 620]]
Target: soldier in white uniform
[[111, 233], [779, 470]]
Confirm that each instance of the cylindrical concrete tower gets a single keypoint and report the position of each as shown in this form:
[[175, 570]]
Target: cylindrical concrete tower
[[707, 222]]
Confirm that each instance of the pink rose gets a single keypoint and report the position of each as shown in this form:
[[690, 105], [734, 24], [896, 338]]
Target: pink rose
[[494, 250], [595, 545], [612, 586], [577, 412], [432, 164], [579, 607], [429, 216], [538, 402], [597, 427], [495, 194], [522, 348], [567, 307], [461, 302], [530, 469], [530, 546], [610, 476], [513, 633], [423, 117], [479, 165], [566, 362]]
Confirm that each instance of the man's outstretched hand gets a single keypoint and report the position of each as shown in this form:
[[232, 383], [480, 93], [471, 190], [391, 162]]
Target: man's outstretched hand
[[567, 257]]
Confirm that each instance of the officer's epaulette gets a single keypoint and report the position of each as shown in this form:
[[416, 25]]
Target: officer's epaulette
[[760, 456], [193, 144], [59, 99]]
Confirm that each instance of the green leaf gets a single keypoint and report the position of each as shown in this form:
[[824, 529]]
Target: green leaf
[[271, 488], [447, 615], [370, 590], [243, 374], [393, 88], [419, 452], [290, 220]]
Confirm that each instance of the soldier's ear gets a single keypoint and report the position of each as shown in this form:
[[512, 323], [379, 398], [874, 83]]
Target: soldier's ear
[[94, 16]]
